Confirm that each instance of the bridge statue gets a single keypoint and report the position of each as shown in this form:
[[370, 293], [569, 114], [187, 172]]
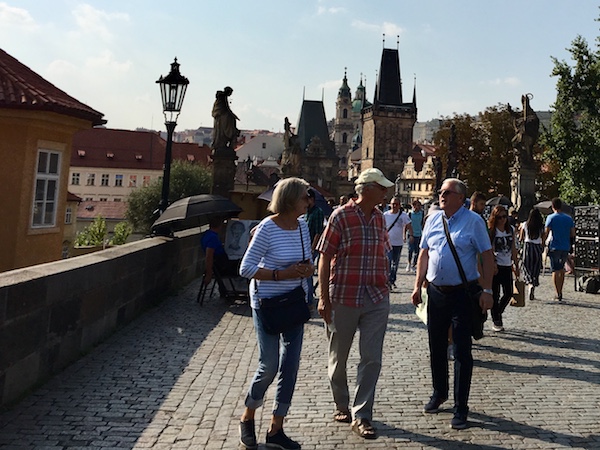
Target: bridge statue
[[526, 131], [291, 156], [523, 172], [225, 132]]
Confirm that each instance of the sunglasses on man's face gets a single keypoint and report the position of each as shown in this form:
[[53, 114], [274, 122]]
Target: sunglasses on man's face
[[446, 192], [502, 216]]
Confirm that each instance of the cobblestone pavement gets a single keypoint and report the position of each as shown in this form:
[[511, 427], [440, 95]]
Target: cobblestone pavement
[[176, 379]]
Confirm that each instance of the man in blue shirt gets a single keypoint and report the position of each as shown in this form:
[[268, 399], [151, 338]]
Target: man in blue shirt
[[215, 256], [448, 297], [563, 229]]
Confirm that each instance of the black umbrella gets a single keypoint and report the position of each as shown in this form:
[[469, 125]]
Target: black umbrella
[[195, 211], [499, 200], [545, 207], [319, 199]]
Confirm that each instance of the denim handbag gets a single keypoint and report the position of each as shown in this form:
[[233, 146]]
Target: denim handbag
[[285, 311]]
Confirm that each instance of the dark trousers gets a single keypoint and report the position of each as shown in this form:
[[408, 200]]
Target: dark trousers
[[445, 309], [225, 268], [503, 279]]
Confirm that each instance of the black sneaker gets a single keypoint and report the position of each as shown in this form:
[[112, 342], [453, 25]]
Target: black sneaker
[[433, 406], [248, 435], [281, 441], [459, 421]]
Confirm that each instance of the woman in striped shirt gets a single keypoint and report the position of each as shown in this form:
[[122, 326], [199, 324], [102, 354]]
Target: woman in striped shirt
[[278, 259]]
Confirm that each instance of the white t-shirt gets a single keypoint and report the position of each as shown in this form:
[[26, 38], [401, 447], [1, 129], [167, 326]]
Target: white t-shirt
[[526, 235], [397, 231], [502, 247]]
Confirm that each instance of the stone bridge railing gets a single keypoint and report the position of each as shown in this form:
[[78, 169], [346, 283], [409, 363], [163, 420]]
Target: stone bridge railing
[[53, 313]]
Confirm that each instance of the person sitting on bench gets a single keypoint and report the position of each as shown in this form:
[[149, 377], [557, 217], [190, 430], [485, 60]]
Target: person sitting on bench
[[216, 258]]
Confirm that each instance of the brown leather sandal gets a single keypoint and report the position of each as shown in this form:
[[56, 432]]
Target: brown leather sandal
[[341, 416], [364, 429]]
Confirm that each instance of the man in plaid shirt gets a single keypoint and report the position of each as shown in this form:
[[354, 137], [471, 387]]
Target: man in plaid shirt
[[354, 265]]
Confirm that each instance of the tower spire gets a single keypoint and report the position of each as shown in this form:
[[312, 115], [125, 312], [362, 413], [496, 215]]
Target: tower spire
[[415, 91]]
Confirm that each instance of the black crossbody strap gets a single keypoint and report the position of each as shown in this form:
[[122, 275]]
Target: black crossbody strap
[[453, 250], [394, 222], [302, 240]]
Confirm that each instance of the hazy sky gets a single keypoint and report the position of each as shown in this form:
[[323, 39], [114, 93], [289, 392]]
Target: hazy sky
[[465, 54]]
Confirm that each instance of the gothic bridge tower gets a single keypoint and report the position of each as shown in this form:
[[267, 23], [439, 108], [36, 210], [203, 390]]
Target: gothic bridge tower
[[388, 122]]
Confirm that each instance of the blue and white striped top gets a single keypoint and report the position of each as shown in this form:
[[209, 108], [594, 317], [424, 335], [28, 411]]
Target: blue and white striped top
[[275, 249]]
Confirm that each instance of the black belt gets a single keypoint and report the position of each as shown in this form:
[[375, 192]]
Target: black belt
[[446, 289]]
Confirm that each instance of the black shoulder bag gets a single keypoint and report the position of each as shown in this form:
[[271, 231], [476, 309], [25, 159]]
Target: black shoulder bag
[[478, 317], [286, 311]]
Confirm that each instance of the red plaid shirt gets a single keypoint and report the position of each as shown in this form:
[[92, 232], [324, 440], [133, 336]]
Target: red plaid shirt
[[358, 252]]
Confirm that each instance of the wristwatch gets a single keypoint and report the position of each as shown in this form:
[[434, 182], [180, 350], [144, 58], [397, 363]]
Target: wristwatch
[[488, 291]]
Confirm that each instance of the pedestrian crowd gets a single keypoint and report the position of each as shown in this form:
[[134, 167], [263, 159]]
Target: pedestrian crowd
[[464, 266]]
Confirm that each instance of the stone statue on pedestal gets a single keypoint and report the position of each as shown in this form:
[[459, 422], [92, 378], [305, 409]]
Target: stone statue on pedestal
[[225, 132], [225, 135], [526, 132], [523, 170], [291, 156]]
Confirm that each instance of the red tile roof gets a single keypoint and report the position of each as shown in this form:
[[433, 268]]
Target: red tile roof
[[108, 210], [22, 88], [73, 198], [123, 149]]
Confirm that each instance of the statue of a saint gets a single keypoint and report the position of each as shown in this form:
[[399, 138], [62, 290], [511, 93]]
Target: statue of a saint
[[526, 131], [225, 132], [290, 159]]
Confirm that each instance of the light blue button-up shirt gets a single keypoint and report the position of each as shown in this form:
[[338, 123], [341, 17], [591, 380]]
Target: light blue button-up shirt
[[470, 236]]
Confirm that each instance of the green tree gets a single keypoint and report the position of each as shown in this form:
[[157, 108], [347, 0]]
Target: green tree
[[120, 234], [187, 179], [93, 234], [484, 149], [572, 144]]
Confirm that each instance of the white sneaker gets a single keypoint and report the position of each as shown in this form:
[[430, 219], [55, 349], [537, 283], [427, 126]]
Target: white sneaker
[[531, 294], [497, 328], [413, 269], [408, 267]]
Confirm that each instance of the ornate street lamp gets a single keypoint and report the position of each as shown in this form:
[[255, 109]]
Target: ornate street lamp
[[172, 91]]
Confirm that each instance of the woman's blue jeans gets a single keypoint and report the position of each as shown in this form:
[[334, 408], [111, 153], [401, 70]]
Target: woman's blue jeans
[[276, 354]]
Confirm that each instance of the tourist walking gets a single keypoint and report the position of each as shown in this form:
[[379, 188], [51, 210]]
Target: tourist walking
[[277, 261], [477, 203], [449, 302], [502, 237], [417, 219], [354, 265], [396, 222], [563, 230], [530, 234]]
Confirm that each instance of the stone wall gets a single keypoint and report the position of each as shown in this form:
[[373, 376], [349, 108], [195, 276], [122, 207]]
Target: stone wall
[[52, 313]]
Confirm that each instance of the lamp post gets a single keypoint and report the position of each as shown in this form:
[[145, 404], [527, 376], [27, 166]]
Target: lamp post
[[172, 91]]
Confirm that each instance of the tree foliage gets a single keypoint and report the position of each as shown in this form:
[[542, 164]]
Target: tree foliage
[[93, 234], [187, 179], [96, 233], [484, 149], [573, 142]]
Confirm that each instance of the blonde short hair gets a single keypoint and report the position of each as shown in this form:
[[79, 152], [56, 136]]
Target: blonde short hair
[[286, 194]]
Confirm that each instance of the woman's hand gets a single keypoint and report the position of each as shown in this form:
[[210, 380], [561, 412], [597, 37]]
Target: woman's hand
[[304, 270]]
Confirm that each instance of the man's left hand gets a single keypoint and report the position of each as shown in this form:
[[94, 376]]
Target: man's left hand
[[486, 301]]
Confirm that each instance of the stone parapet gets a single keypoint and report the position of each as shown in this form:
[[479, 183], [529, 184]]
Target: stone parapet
[[51, 314]]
